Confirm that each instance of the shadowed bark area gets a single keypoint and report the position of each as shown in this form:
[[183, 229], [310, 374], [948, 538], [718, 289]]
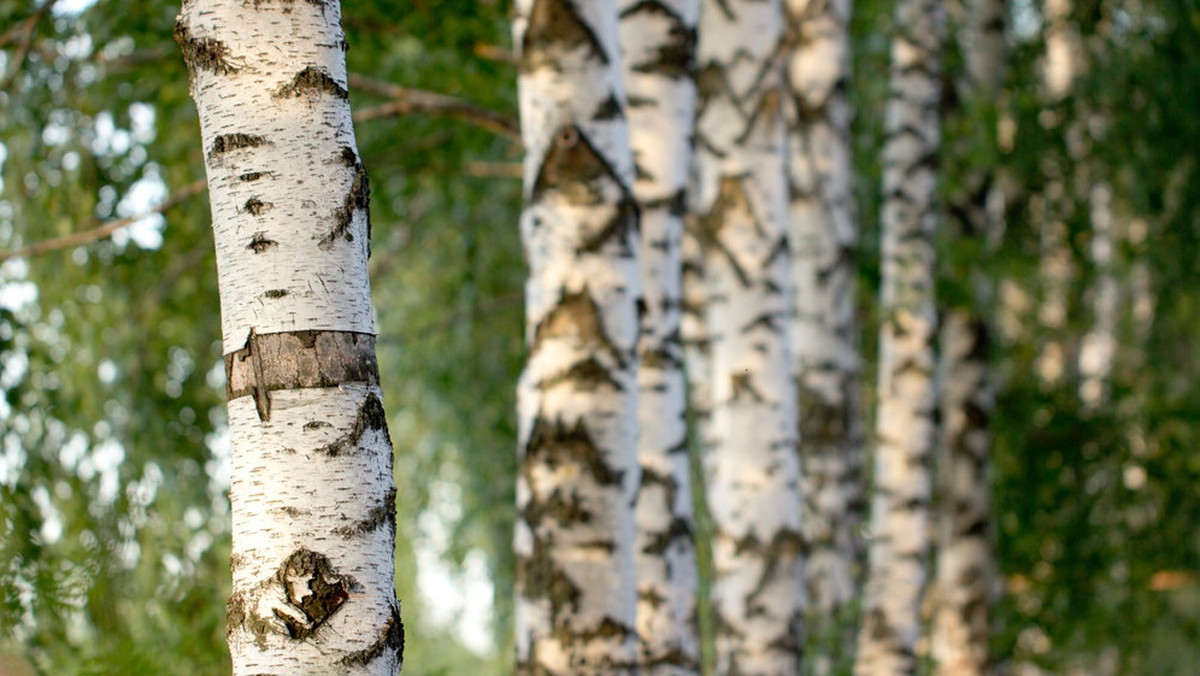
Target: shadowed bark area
[[577, 398]]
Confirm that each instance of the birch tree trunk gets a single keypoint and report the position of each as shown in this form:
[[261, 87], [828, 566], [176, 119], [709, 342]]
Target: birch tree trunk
[[823, 236], [312, 495], [658, 57], [577, 398], [751, 464], [905, 427], [966, 579]]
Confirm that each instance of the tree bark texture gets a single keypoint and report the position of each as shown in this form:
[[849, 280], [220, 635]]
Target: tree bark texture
[[577, 398], [751, 463], [905, 426], [312, 495], [823, 236], [966, 578], [658, 58]]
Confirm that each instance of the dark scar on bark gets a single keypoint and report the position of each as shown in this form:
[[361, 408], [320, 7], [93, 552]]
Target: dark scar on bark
[[256, 206], [312, 81], [229, 142], [383, 513], [557, 443], [609, 109], [555, 29], [254, 175], [325, 591], [391, 639], [577, 318], [676, 57], [370, 417], [203, 53], [260, 243], [357, 197], [276, 293]]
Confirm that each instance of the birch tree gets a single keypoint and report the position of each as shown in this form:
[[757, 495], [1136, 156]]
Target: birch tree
[[312, 496], [823, 235], [965, 580], [751, 464], [658, 59], [577, 398], [905, 426]]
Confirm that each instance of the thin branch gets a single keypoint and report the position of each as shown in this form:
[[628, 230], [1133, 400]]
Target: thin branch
[[494, 53], [407, 101], [105, 229], [482, 169], [26, 29]]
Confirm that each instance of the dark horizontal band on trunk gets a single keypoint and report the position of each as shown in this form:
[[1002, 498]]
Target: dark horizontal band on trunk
[[298, 359]]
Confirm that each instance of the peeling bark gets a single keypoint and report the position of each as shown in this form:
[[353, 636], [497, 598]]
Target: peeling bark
[[823, 236], [577, 397], [312, 495], [658, 54], [905, 425], [751, 462]]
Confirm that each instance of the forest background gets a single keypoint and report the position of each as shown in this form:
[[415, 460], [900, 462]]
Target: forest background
[[114, 530]]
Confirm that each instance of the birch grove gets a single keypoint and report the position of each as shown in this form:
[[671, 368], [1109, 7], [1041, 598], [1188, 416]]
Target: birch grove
[[577, 397], [658, 45], [751, 464], [823, 236], [905, 425], [312, 496]]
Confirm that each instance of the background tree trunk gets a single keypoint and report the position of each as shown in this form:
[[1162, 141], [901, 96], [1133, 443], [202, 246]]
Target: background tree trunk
[[823, 235], [905, 427], [577, 398], [312, 494], [752, 469], [658, 56]]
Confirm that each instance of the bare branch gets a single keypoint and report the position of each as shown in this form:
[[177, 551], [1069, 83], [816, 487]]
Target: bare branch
[[494, 169], [105, 229], [407, 101], [25, 29], [494, 53]]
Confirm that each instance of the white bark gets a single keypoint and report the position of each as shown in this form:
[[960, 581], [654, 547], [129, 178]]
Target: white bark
[[658, 44], [905, 427], [312, 494], [577, 398], [751, 462], [823, 237]]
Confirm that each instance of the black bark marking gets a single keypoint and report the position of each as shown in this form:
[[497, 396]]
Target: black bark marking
[[260, 242], [370, 417], [203, 53], [743, 384], [554, 443], [675, 58], [275, 294], [539, 576], [732, 201], [254, 175], [556, 29], [314, 588], [577, 319], [256, 206], [298, 359], [575, 171], [312, 81], [391, 639], [229, 142], [316, 425], [383, 513], [609, 109], [349, 157], [357, 197]]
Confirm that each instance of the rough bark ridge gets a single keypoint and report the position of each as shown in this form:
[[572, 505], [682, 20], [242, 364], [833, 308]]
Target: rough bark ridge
[[658, 59], [751, 463], [312, 493], [577, 398], [823, 235], [905, 428], [965, 582]]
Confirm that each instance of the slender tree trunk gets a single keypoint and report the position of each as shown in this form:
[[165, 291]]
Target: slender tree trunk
[[312, 494], [823, 237], [577, 398], [752, 467], [658, 45], [899, 528], [966, 581]]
